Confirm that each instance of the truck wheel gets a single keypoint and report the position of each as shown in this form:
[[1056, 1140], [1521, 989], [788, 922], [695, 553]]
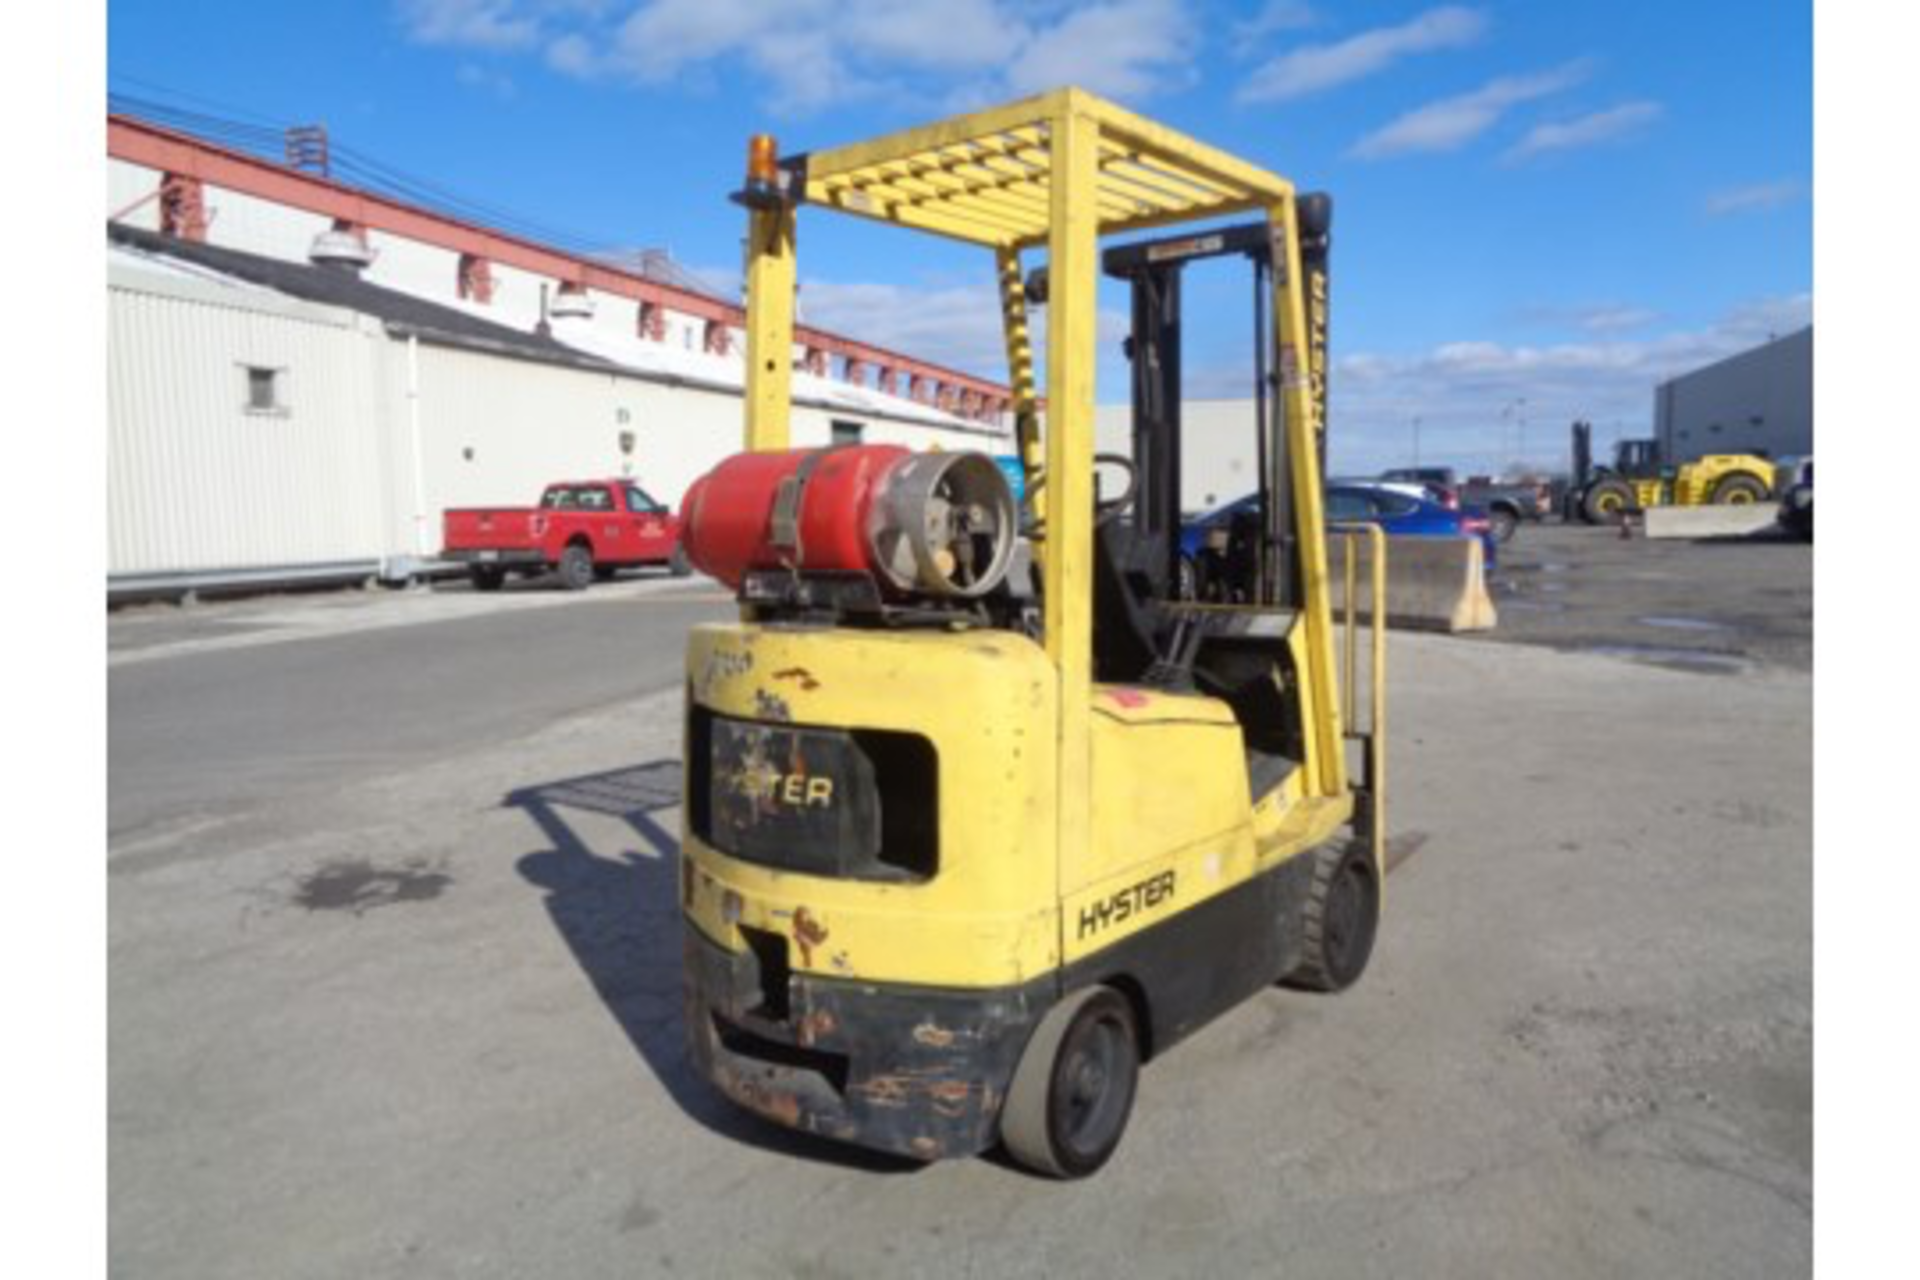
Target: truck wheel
[[1608, 502], [1340, 918], [1740, 490], [487, 577], [576, 568], [1073, 1092], [1504, 521], [677, 564]]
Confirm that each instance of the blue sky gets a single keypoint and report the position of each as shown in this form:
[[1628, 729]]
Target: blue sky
[[1542, 209]]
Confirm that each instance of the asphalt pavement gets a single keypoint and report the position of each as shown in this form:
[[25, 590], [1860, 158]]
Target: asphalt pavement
[[394, 965]]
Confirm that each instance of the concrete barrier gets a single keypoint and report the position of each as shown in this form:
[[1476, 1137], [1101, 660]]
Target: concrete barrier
[[1433, 584], [1723, 521]]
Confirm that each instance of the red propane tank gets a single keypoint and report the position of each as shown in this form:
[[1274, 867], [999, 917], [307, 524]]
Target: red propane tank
[[727, 516], [932, 524]]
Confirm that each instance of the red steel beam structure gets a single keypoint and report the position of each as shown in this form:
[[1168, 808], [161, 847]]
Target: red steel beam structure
[[139, 142]]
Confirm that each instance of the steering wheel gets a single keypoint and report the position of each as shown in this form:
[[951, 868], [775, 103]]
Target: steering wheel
[[1103, 510]]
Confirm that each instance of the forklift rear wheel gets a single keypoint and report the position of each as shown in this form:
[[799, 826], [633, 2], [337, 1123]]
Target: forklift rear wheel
[[576, 568], [1073, 1091], [1342, 914], [1741, 490]]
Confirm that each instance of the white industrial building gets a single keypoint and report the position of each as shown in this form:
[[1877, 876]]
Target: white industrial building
[[302, 377], [1759, 401]]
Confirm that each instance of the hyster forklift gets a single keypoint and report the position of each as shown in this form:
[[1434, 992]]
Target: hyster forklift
[[1639, 478], [980, 814]]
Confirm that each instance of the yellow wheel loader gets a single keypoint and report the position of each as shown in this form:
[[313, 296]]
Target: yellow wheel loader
[[1639, 479], [980, 815]]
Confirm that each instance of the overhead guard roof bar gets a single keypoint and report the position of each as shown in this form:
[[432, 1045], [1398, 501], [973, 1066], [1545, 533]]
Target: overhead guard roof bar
[[986, 179]]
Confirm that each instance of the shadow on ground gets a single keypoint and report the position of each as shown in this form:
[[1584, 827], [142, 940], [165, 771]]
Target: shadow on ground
[[620, 917]]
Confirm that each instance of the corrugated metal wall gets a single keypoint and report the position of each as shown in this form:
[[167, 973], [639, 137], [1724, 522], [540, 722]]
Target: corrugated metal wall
[[1758, 401], [195, 480]]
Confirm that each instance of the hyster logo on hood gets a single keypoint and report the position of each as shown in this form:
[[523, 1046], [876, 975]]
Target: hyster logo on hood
[[1127, 903]]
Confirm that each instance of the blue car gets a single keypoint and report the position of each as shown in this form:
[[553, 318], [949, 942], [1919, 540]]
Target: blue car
[[1397, 513]]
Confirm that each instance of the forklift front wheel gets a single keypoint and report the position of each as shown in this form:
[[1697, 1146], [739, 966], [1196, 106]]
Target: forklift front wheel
[[1341, 916], [1073, 1092]]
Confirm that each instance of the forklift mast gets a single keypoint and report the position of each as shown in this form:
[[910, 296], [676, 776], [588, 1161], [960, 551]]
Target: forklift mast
[[1154, 270], [1582, 456]]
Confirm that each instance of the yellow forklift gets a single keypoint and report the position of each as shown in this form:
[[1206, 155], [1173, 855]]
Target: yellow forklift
[[980, 814]]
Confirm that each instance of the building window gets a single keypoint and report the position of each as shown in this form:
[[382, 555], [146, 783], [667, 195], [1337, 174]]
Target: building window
[[266, 389], [845, 432]]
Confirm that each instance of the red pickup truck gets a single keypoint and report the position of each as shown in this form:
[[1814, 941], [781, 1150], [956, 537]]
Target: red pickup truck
[[584, 529]]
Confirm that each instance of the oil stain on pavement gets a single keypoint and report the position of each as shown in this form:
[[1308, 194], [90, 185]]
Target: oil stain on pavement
[[356, 885]]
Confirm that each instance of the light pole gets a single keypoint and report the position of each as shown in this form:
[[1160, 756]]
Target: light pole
[[1515, 411]]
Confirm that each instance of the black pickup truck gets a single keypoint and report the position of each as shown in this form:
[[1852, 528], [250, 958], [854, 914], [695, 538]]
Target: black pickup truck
[[1506, 505]]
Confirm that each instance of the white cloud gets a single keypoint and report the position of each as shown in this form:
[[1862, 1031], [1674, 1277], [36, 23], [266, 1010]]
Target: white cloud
[[811, 54], [1459, 389], [1585, 131], [1316, 68], [473, 24], [1754, 198], [1599, 317], [1275, 16], [1451, 123], [1127, 49]]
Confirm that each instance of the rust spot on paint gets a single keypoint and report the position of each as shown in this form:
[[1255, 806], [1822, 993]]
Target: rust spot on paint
[[932, 1035], [884, 1091], [808, 933], [800, 675], [771, 706]]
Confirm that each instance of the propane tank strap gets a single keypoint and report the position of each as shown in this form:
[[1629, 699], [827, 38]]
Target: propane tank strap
[[785, 522]]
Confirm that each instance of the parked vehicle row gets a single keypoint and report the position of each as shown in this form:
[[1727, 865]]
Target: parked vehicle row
[[1506, 505], [582, 530], [1208, 542]]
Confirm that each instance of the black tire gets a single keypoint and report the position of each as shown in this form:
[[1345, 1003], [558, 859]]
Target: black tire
[[1505, 522], [1072, 1094], [1340, 919], [1739, 489], [576, 567], [487, 577], [1608, 502], [677, 564]]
